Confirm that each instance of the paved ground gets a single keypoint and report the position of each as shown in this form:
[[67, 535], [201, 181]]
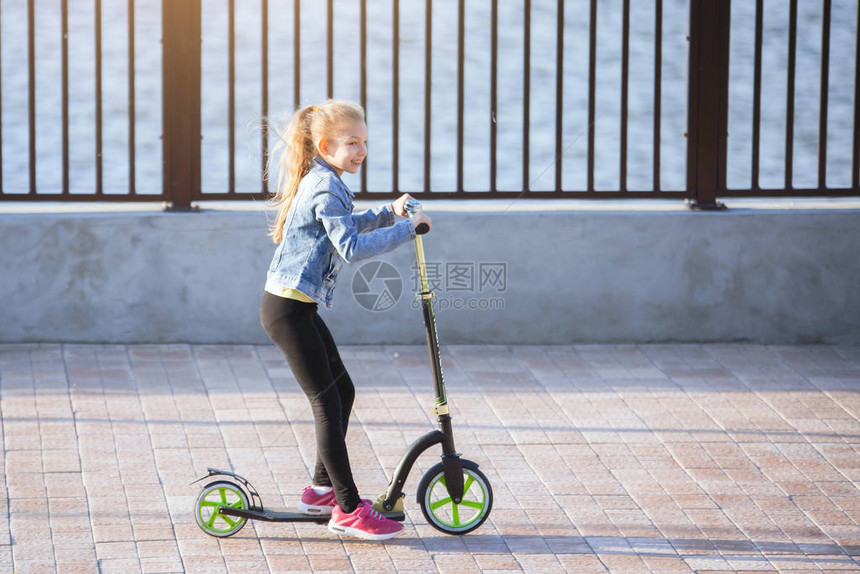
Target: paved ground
[[681, 458]]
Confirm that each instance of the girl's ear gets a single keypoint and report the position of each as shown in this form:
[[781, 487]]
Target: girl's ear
[[322, 146]]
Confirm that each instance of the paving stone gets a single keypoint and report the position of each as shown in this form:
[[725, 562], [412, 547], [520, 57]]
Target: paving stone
[[603, 458]]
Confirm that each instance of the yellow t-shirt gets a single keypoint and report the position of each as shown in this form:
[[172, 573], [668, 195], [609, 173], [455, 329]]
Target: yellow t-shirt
[[288, 293]]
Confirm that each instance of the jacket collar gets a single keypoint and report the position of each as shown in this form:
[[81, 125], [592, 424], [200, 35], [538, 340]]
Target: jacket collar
[[325, 165], [320, 161]]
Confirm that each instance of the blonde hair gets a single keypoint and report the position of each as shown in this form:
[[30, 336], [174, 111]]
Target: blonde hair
[[297, 149]]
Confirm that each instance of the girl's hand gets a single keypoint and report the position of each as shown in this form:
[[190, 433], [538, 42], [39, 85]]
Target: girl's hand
[[399, 205], [420, 218]]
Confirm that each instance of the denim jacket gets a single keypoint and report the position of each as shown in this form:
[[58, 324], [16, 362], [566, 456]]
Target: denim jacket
[[322, 232]]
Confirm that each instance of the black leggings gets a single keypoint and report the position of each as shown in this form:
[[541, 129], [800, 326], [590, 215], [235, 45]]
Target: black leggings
[[306, 342]]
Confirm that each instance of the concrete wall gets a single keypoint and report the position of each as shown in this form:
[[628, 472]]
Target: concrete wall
[[573, 273]]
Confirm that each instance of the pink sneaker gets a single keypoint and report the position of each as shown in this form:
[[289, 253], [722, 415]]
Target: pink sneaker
[[316, 504], [363, 522]]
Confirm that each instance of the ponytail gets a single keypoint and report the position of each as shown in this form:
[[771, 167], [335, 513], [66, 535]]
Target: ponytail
[[297, 152], [298, 149]]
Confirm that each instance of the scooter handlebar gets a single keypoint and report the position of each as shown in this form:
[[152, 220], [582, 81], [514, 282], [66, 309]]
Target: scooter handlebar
[[413, 208]]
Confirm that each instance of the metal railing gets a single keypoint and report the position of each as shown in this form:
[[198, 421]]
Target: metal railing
[[707, 104], [789, 189], [426, 190], [63, 193]]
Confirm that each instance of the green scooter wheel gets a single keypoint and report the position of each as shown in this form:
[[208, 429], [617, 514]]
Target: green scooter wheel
[[442, 513], [214, 496]]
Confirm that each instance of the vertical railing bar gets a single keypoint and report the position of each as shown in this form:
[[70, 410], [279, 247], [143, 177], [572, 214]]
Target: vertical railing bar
[[1, 99], [592, 70], [789, 114], [756, 120], [559, 93], [825, 84], [721, 122], [231, 96], [132, 181], [330, 49], [527, 16], [494, 92], [264, 49], [658, 90], [625, 70], [707, 102], [461, 55], [64, 88], [395, 108], [428, 62], [181, 97], [855, 168], [364, 81], [99, 164], [693, 89], [31, 96], [297, 53]]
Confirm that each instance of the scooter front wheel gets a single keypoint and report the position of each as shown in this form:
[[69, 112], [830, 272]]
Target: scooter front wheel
[[214, 496], [442, 512]]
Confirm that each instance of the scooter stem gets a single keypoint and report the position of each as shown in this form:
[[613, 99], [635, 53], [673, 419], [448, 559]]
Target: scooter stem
[[412, 208]]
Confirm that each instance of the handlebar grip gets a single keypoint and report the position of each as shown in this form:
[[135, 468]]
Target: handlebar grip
[[413, 208]]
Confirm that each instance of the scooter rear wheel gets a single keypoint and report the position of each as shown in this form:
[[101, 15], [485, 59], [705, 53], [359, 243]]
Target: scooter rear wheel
[[214, 496], [442, 513]]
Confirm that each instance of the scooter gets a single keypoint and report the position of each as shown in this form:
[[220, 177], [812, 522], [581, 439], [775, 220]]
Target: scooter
[[454, 495]]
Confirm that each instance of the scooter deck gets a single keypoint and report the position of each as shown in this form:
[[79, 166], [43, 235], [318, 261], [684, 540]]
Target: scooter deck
[[289, 515]]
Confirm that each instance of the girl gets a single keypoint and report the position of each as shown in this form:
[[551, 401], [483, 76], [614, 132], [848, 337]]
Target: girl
[[317, 231]]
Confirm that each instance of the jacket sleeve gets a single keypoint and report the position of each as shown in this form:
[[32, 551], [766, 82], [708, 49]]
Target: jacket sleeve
[[340, 226], [370, 219]]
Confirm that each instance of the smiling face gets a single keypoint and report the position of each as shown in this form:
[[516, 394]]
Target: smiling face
[[347, 148]]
